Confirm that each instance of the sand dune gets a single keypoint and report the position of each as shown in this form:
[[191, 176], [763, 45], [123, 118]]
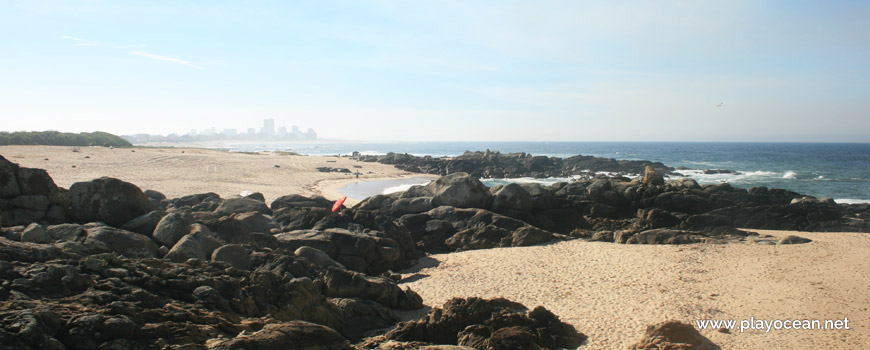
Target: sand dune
[[612, 292]]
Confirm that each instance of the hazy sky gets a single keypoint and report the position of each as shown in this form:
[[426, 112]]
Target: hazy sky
[[443, 70]]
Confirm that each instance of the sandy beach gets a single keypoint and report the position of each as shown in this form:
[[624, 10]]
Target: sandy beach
[[610, 292], [181, 171]]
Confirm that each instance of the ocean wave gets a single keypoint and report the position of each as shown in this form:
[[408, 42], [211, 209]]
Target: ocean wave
[[740, 176], [851, 201], [524, 180], [789, 175], [402, 188]]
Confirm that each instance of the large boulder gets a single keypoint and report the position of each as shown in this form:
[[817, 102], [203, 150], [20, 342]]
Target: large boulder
[[356, 251], [673, 335], [106, 199], [172, 227], [317, 257], [145, 224], [190, 246], [36, 182], [236, 255], [663, 236], [510, 197], [489, 324], [349, 284], [9, 187], [292, 335], [237, 205], [295, 200], [459, 190], [123, 242]]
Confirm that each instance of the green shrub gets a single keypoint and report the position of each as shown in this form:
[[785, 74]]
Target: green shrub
[[56, 138]]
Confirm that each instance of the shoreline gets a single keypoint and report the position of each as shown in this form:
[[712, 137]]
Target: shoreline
[[608, 291], [177, 172]]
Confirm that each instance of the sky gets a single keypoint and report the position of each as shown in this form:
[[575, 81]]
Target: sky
[[783, 71]]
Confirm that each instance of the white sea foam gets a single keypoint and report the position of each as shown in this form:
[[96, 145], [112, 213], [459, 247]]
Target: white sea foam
[[525, 180], [851, 201], [789, 175], [739, 177], [402, 188]]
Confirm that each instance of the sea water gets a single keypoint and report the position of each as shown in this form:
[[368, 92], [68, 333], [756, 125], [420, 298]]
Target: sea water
[[837, 170]]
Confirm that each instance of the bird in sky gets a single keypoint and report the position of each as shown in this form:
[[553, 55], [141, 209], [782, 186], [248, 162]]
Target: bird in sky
[[720, 105]]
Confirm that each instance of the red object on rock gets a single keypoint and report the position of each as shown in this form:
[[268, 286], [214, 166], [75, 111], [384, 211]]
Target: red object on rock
[[338, 204]]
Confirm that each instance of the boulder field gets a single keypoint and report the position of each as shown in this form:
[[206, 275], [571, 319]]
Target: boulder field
[[105, 265]]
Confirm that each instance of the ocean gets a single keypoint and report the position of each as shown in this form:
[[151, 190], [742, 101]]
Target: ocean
[[837, 170]]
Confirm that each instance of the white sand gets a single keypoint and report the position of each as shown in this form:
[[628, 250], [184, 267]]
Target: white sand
[[181, 171], [611, 292]]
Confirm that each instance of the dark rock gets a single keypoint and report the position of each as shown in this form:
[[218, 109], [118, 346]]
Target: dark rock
[[190, 246], [510, 197], [9, 187], [256, 222], [496, 323], [295, 200], [172, 227], [36, 182], [34, 233], [362, 315], [292, 335], [652, 177], [154, 195], [411, 205], [459, 190], [350, 284], [662, 236], [26, 252], [317, 257], [239, 205], [31, 202], [109, 200], [196, 200], [65, 232], [790, 239], [299, 218], [673, 335], [145, 224], [236, 255], [356, 251], [123, 242]]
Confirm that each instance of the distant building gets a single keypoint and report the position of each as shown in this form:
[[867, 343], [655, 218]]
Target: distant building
[[282, 131], [268, 127], [295, 130], [311, 134], [252, 131], [230, 132]]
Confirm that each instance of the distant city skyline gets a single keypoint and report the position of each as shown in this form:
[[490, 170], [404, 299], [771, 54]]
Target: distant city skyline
[[493, 70], [267, 132]]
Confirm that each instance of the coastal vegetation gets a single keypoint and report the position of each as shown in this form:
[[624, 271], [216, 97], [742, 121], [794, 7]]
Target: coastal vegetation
[[56, 138]]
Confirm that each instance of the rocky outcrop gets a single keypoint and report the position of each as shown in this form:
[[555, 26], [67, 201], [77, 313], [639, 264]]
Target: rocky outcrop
[[486, 324], [107, 200], [29, 195], [458, 190], [673, 335], [293, 335], [357, 251], [493, 164]]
